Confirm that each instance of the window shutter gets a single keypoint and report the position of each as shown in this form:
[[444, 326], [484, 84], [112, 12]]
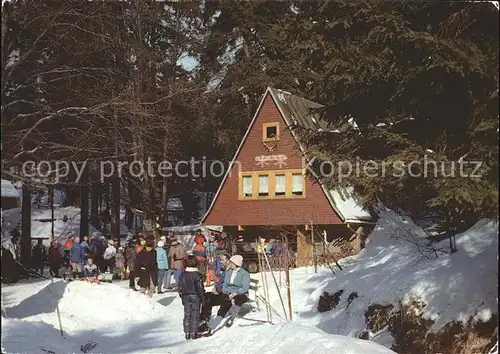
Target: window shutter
[[297, 183], [280, 185]]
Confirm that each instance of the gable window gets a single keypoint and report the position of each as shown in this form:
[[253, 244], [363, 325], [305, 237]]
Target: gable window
[[297, 184], [263, 186], [247, 186], [272, 184], [280, 184], [271, 131]]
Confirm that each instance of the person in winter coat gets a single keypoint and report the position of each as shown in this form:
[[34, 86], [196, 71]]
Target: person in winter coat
[[192, 293], [90, 269], [234, 292], [130, 257], [85, 246], [109, 256], [68, 245], [76, 257], [119, 264], [161, 259], [97, 250], [55, 259], [199, 251], [146, 269], [176, 255], [221, 264], [140, 245], [39, 253]]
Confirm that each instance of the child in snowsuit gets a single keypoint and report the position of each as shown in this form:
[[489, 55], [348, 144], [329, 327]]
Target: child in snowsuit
[[192, 293], [68, 272], [119, 264], [90, 269]]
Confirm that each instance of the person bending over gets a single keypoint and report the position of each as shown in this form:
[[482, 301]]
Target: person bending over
[[234, 293]]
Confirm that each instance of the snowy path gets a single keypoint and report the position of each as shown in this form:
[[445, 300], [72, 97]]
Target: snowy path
[[124, 321]]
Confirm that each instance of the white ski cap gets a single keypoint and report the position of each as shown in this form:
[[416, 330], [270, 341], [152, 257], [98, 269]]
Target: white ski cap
[[160, 244], [237, 260]]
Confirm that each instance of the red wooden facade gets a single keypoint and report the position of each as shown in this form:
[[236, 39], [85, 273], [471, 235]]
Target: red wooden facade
[[228, 208]]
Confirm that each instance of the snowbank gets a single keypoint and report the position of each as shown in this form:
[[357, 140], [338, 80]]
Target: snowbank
[[123, 321], [454, 287]]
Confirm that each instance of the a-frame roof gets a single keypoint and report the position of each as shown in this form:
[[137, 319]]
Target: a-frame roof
[[300, 112]]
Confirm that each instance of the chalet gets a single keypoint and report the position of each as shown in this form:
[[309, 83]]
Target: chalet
[[268, 189], [10, 196]]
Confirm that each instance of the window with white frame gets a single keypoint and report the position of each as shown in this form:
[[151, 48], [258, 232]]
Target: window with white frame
[[263, 186], [297, 184], [247, 186], [280, 184]]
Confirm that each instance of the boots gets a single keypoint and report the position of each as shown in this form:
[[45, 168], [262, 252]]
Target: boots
[[159, 290], [188, 336]]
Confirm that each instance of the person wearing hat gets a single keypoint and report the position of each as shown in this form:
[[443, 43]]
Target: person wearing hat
[[146, 269], [97, 249], [120, 264], [176, 256], [192, 293], [161, 259], [109, 256], [235, 288], [130, 256]]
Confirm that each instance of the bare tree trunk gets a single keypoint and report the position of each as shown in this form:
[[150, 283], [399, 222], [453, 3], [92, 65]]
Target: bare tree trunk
[[84, 205], [26, 225], [115, 191], [51, 200], [94, 196], [164, 195]]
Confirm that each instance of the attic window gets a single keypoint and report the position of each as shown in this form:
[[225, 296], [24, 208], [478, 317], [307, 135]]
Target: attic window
[[270, 131]]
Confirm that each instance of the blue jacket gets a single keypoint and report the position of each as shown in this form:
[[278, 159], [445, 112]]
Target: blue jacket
[[161, 258], [219, 282], [241, 282], [77, 253], [85, 247]]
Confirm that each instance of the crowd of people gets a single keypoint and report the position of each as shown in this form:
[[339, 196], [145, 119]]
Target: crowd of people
[[80, 258], [150, 266]]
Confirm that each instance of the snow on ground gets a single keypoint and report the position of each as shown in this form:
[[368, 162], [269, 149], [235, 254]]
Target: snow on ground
[[124, 321], [453, 287], [41, 225]]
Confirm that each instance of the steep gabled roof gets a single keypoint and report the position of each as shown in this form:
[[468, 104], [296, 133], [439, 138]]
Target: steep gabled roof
[[300, 112]]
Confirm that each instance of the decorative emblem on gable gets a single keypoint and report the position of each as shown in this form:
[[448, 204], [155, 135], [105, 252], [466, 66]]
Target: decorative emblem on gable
[[264, 160]]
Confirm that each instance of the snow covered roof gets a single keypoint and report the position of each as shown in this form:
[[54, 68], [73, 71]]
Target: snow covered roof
[[8, 190], [299, 112], [348, 206], [192, 228]]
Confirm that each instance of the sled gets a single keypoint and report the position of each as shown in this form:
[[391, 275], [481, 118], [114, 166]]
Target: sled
[[88, 347], [92, 280], [106, 277]]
